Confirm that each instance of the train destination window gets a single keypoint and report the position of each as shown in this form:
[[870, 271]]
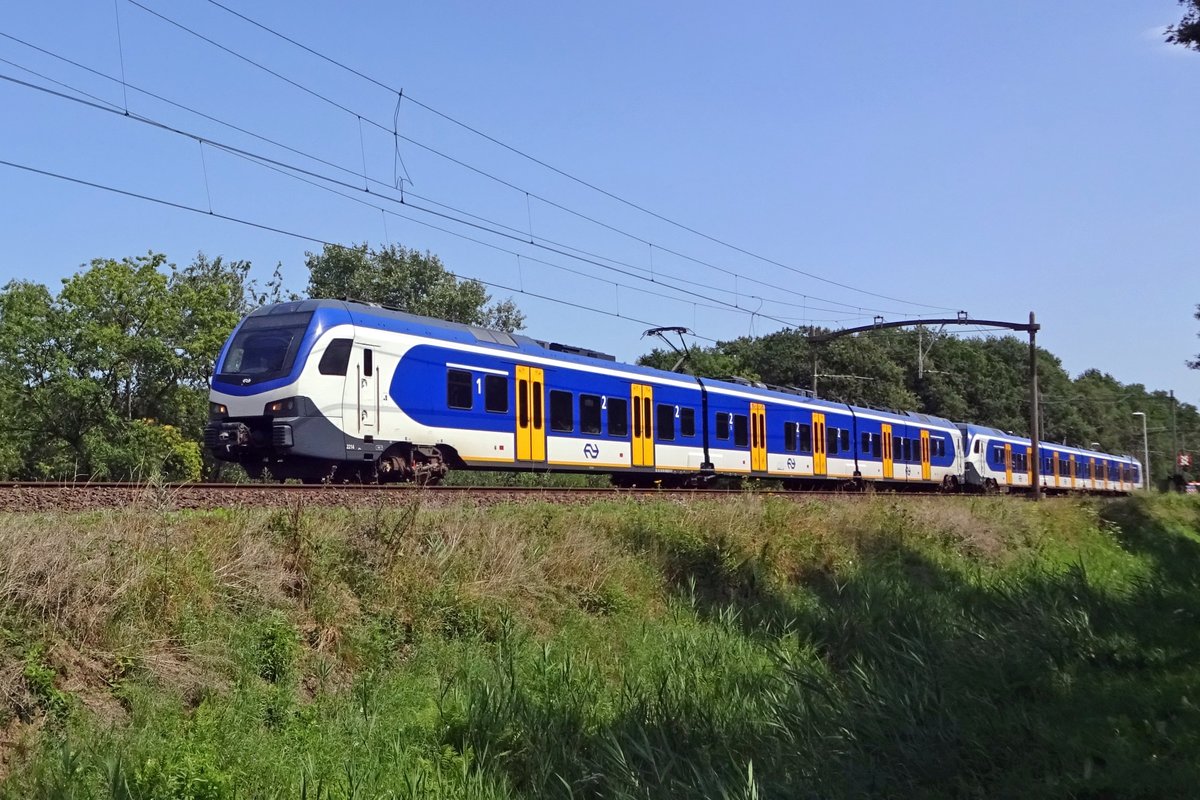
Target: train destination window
[[458, 389], [562, 411], [687, 422], [666, 423], [336, 358], [495, 393], [618, 416], [723, 425], [741, 430], [789, 436], [589, 413], [805, 438]]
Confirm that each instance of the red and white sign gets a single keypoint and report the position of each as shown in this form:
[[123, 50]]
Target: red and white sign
[[1185, 459]]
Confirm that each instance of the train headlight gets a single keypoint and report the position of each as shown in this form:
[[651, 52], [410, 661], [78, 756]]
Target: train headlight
[[281, 408], [217, 411]]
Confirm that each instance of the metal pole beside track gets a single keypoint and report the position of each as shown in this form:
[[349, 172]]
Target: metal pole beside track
[[1034, 434]]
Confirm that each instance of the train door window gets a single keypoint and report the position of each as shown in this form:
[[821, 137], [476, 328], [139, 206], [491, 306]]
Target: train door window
[[666, 422], [741, 430], [866, 443], [637, 419], [522, 403], [369, 363], [805, 438], [562, 411], [618, 416], [831, 441], [789, 436], [687, 422], [336, 358], [495, 393], [845, 440], [537, 403], [877, 445], [977, 445], [589, 413], [458, 388]]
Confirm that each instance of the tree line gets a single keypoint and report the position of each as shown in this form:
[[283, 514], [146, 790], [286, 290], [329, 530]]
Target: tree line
[[107, 378]]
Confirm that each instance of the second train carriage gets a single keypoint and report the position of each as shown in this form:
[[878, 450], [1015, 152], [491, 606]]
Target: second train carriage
[[326, 389]]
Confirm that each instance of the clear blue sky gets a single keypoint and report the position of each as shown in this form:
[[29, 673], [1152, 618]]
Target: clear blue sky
[[995, 157]]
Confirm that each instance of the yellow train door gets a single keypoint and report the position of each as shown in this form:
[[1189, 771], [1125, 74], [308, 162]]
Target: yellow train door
[[1056, 470], [531, 418], [758, 437], [926, 471], [1008, 465], [887, 450], [643, 425], [1029, 465], [1071, 467], [820, 465]]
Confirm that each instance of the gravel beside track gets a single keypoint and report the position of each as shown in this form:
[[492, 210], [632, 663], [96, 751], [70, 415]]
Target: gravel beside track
[[47, 497]]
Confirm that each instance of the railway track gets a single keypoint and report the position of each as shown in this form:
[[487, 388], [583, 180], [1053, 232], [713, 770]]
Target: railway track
[[35, 496]]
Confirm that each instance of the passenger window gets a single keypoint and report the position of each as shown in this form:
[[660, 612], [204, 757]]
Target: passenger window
[[866, 443], [589, 413], [845, 440], [336, 358], [789, 436], [741, 430], [897, 448], [877, 445], [618, 417], [723, 425], [458, 388], [562, 412], [666, 423], [805, 438], [495, 393], [687, 422], [369, 364]]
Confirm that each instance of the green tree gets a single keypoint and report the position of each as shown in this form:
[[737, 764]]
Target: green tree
[[409, 280], [108, 379], [1187, 32], [1196, 364]]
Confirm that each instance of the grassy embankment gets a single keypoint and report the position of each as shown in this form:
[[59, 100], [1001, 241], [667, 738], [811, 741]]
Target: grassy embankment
[[754, 648]]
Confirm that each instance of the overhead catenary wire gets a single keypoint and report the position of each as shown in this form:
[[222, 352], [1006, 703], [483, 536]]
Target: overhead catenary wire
[[611, 195], [301, 236], [449, 217], [352, 172], [559, 171]]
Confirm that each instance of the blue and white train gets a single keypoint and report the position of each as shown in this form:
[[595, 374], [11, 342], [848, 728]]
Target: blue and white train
[[324, 390]]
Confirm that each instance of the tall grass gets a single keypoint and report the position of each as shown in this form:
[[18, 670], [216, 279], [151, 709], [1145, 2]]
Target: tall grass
[[756, 648]]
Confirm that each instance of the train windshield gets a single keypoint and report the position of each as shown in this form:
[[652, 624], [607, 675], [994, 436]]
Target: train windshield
[[264, 348]]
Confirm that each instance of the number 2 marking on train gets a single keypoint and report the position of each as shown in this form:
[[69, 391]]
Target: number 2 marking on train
[[603, 402]]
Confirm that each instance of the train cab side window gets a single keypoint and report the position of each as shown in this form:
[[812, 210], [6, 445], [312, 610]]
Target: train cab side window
[[666, 423], [741, 430], [618, 417], [687, 422], [458, 389], [805, 438], [789, 436], [723, 425], [495, 393], [562, 411], [977, 445], [589, 413], [369, 363], [336, 358]]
